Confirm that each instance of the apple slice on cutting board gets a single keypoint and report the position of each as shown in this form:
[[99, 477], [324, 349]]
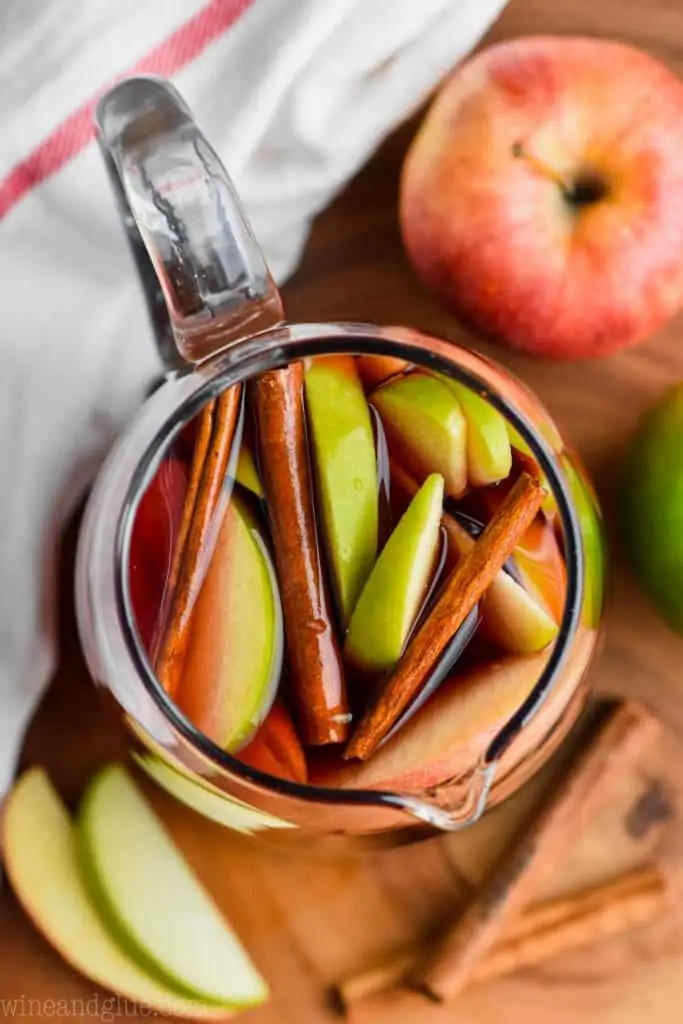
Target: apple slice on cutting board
[[425, 427], [398, 584], [42, 862], [234, 657], [145, 888], [346, 473]]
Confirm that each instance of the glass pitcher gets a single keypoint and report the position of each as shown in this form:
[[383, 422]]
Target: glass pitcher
[[219, 322]]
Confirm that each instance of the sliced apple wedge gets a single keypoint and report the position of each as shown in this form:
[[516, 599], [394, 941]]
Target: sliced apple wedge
[[346, 473], [142, 883], [234, 657], [590, 523], [489, 455], [446, 737], [276, 747], [426, 428], [246, 473], [375, 370], [42, 863], [397, 586], [511, 619]]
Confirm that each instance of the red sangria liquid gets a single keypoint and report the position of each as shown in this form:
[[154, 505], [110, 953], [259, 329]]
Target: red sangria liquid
[[350, 572]]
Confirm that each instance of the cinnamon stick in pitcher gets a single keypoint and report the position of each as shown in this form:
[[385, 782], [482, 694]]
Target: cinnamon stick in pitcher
[[211, 455], [540, 933], [616, 743], [315, 662], [472, 575]]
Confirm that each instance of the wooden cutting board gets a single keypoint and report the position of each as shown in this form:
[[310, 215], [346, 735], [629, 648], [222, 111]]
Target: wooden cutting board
[[309, 920]]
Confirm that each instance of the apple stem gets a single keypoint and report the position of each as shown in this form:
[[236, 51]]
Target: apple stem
[[539, 165]]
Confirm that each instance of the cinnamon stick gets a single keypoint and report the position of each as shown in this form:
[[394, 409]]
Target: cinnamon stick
[[615, 744], [540, 933], [314, 656], [213, 445], [474, 572]]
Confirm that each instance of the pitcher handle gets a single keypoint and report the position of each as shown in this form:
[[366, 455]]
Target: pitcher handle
[[204, 276]]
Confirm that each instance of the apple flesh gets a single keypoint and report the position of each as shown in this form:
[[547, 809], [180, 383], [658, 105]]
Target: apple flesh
[[346, 473], [425, 427], [398, 584], [542, 198], [447, 735], [276, 747], [489, 456], [234, 657], [246, 472], [139, 878], [42, 862], [510, 617]]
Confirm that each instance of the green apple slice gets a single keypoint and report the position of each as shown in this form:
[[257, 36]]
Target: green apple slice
[[143, 884], [42, 863], [246, 473], [426, 428], [489, 455], [234, 657], [511, 618], [346, 473], [397, 586]]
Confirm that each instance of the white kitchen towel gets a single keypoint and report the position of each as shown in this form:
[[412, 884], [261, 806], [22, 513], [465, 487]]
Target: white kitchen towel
[[294, 94]]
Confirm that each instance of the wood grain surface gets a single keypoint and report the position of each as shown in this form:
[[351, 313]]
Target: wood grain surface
[[309, 920]]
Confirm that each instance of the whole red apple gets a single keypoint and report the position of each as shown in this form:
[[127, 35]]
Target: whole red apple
[[543, 195]]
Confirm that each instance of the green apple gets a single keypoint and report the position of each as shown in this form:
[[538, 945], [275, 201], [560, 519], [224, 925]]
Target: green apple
[[234, 657], [397, 586], [246, 472], [549, 505], [153, 899], [346, 473], [42, 862], [489, 456], [652, 505], [426, 428]]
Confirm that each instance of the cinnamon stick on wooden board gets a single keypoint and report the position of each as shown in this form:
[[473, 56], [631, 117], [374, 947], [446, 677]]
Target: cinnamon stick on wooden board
[[318, 684], [546, 930], [210, 460], [472, 575], [619, 738]]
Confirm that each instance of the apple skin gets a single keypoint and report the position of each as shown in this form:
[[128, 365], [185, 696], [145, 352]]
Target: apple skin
[[497, 238], [447, 737], [234, 657]]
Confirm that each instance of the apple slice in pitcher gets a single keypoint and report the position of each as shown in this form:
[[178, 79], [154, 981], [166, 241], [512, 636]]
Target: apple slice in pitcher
[[510, 618], [235, 651], [425, 428], [374, 370], [346, 473], [398, 584], [143, 885], [42, 861], [276, 747], [246, 472], [489, 455]]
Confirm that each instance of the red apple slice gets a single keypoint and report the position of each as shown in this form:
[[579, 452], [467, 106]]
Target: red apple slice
[[375, 370], [276, 748], [234, 657], [156, 524]]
